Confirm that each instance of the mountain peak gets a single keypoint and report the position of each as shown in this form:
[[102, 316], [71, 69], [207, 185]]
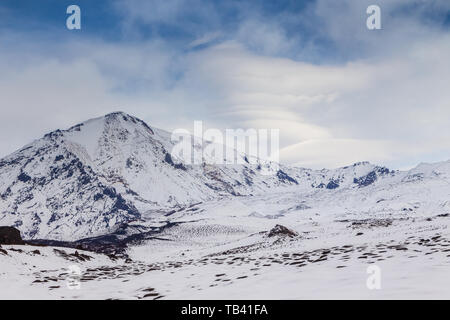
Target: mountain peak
[[127, 118], [117, 119], [116, 113], [119, 115]]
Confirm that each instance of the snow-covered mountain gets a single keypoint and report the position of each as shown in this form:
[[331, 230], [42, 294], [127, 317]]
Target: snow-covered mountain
[[96, 176], [89, 179], [213, 231]]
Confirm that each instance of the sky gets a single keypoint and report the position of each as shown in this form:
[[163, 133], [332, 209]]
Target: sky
[[338, 92]]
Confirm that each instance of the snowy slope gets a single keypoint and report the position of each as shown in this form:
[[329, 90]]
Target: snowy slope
[[202, 231], [116, 170], [227, 254], [107, 171]]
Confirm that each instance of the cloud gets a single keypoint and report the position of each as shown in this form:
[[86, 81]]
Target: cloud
[[170, 18], [338, 92], [205, 39], [335, 152], [395, 101]]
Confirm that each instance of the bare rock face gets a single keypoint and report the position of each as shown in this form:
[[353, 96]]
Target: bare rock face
[[10, 235], [280, 230]]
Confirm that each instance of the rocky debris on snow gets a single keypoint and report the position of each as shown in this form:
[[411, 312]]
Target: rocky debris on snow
[[367, 223], [249, 266], [75, 257], [3, 251]]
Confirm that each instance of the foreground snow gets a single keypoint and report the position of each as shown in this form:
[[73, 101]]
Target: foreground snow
[[223, 251]]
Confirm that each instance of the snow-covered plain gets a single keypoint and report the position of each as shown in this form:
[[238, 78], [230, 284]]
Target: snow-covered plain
[[211, 226], [225, 253]]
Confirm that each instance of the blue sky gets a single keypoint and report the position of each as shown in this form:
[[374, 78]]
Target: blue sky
[[339, 92], [181, 22]]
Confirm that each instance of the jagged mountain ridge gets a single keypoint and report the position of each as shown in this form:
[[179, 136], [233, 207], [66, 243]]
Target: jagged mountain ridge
[[98, 175]]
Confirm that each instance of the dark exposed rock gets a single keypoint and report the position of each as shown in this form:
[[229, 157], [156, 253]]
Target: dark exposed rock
[[366, 180], [75, 257], [284, 177], [280, 230], [24, 177], [332, 184], [113, 245], [81, 257], [168, 159], [369, 223], [319, 186], [10, 235], [371, 177]]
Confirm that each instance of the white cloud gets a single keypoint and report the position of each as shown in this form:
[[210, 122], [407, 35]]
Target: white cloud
[[391, 107], [205, 39], [320, 153]]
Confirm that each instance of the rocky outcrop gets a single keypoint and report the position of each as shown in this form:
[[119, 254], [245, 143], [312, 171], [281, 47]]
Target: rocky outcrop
[[10, 235], [282, 231]]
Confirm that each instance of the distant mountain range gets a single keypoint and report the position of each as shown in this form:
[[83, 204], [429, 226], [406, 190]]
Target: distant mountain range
[[102, 174]]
